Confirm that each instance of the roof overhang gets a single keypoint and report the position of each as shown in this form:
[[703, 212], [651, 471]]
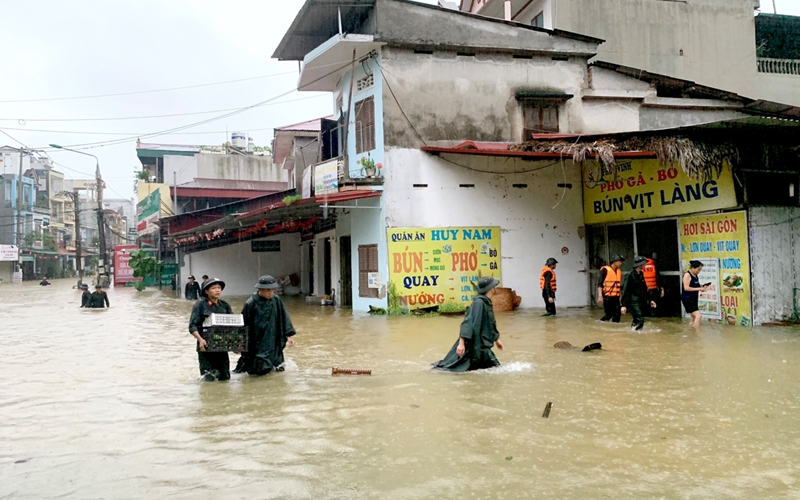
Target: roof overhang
[[501, 149], [324, 66]]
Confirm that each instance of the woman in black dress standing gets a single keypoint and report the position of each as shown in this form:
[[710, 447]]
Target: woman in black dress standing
[[691, 291]]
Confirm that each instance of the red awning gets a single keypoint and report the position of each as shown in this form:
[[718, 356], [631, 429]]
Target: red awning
[[322, 199], [501, 149]]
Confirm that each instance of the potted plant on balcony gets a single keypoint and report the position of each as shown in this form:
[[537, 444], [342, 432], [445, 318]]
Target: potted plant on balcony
[[368, 166]]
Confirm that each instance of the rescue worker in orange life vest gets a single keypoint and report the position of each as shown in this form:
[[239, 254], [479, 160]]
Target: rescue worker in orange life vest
[[547, 281], [610, 289], [654, 286]]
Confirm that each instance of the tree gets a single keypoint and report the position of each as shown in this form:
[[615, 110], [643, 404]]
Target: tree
[[144, 265]]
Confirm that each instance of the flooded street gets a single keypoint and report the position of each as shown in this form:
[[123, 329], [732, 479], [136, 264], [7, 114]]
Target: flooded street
[[106, 404]]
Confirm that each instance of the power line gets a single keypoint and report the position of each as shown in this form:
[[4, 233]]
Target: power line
[[144, 117], [147, 91], [92, 145]]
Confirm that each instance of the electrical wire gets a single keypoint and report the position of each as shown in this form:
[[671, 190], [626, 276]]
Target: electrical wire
[[143, 117], [147, 91], [400, 107]]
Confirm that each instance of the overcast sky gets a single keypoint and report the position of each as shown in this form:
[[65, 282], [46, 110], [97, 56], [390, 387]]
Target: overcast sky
[[57, 48]]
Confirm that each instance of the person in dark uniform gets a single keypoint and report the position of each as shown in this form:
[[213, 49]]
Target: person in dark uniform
[[690, 291], [270, 330], [213, 365], [99, 299], [547, 282], [192, 290], [205, 278], [44, 281], [610, 289], [86, 296], [473, 349], [635, 295]]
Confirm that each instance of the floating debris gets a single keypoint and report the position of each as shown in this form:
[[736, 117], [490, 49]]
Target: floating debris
[[337, 372], [547, 408]]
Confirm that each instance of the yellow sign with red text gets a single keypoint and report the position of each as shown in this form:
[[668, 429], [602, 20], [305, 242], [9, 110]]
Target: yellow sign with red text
[[431, 266], [723, 239], [644, 189]]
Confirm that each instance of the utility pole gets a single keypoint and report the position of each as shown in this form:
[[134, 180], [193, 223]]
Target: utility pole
[[102, 275], [76, 201], [177, 260], [20, 236], [774, 7]]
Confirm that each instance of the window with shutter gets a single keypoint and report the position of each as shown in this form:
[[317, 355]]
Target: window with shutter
[[540, 118], [365, 125], [367, 263]]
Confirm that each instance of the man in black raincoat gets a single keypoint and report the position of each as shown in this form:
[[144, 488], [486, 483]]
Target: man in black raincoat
[[213, 365], [473, 350], [99, 299], [635, 295], [86, 296], [270, 329]]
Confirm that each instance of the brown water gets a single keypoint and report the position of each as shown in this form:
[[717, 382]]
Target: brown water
[[106, 404]]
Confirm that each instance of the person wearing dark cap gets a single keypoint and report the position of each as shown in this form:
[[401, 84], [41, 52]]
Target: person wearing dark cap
[[99, 299], [192, 289], [635, 294], [547, 282], [473, 349], [610, 289], [204, 278], [86, 296], [270, 328], [690, 291], [213, 365]]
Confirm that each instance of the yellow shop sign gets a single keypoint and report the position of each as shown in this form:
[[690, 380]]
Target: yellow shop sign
[[644, 189]]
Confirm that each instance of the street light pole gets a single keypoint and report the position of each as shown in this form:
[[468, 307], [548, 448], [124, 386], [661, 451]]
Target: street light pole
[[103, 278], [20, 236]]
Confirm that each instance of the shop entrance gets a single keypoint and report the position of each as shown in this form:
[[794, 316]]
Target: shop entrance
[[657, 239]]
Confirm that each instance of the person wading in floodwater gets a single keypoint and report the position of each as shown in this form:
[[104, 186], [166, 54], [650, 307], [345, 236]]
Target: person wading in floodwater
[[213, 365], [473, 350], [99, 299], [547, 282], [192, 289], [610, 289], [635, 295], [86, 296], [690, 293], [270, 329]]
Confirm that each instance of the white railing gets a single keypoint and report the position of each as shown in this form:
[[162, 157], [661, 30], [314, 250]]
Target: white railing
[[779, 66]]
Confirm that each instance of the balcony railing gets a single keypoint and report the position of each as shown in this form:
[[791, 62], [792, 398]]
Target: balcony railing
[[779, 66]]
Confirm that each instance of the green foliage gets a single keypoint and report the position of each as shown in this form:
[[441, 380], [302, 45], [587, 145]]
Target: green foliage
[[452, 307], [139, 286], [42, 201], [95, 241], [262, 149], [93, 262], [291, 199], [395, 308], [144, 265], [48, 242]]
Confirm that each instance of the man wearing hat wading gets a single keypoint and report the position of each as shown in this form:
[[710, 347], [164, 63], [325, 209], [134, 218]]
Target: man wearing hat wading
[[86, 296], [473, 349], [212, 364], [192, 289], [270, 329], [547, 282], [635, 294], [610, 289]]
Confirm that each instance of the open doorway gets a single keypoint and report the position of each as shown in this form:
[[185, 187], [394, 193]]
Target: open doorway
[[345, 274], [326, 260], [655, 239]]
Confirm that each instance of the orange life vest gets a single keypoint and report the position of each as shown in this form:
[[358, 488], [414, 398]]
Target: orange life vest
[[650, 274], [612, 283], [546, 269]]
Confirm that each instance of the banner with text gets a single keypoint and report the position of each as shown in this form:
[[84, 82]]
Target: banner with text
[[123, 272], [430, 266], [644, 189], [721, 237]]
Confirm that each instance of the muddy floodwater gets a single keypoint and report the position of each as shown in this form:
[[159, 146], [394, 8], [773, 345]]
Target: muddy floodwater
[[106, 404]]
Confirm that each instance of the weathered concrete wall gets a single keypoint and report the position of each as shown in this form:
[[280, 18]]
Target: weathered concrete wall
[[774, 250], [655, 118], [246, 168], [536, 221], [708, 41], [449, 97], [184, 166], [779, 88], [421, 25], [240, 268]]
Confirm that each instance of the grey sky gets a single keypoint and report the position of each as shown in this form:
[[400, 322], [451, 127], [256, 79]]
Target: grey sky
[[56, 48]]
